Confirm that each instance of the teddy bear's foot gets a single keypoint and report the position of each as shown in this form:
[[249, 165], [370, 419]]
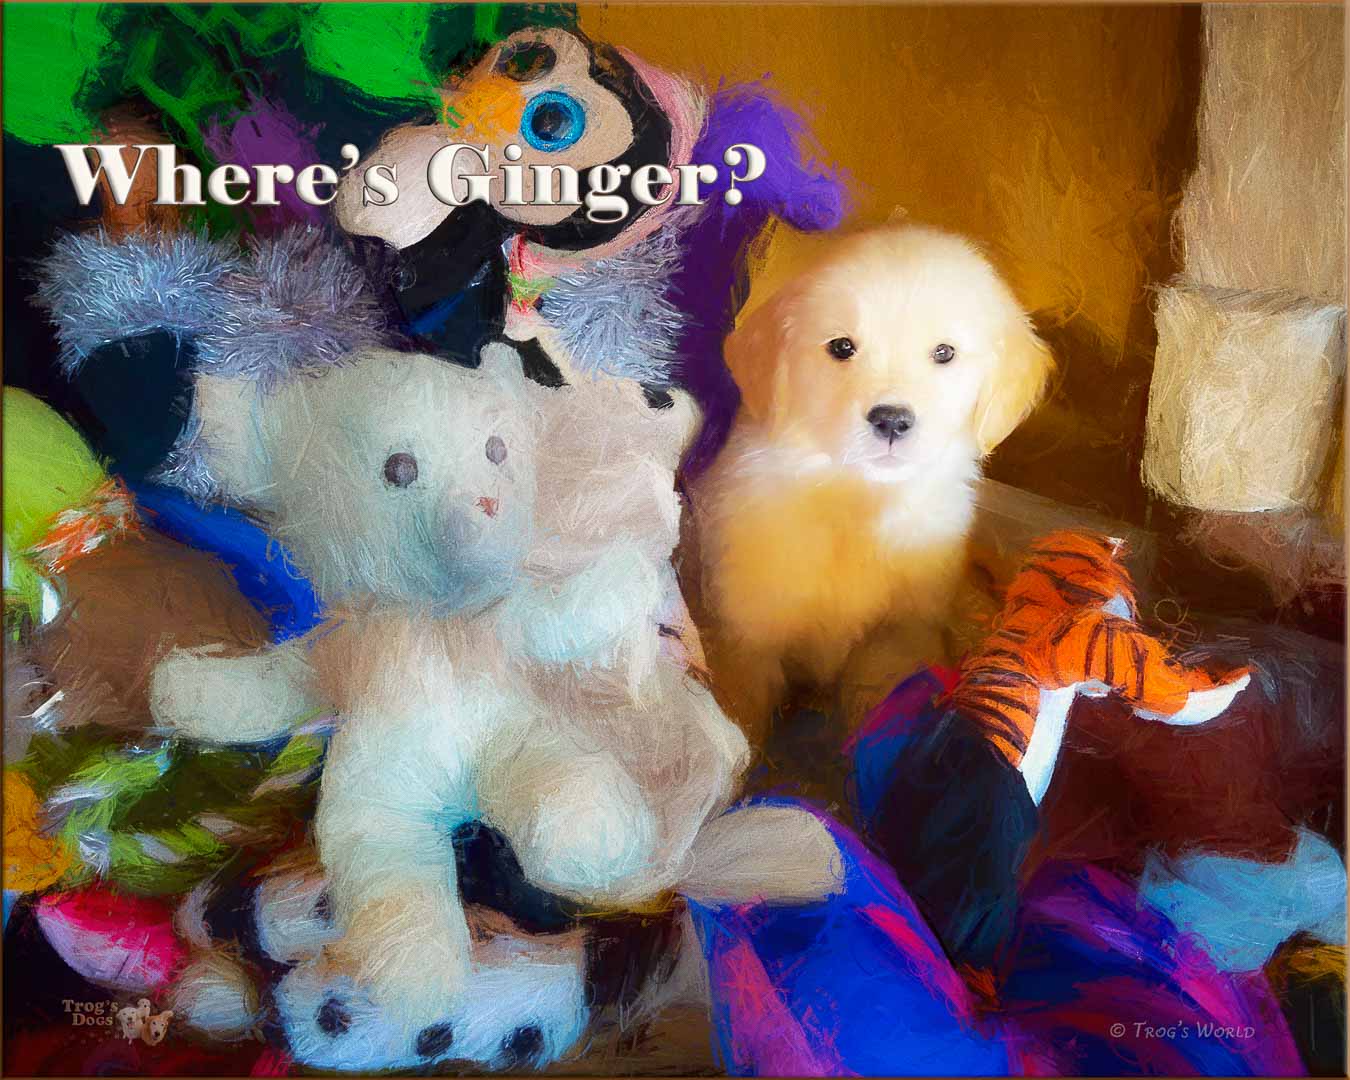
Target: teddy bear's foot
[[583, 831], [409, 952], [525, 1004], [527, 1008]]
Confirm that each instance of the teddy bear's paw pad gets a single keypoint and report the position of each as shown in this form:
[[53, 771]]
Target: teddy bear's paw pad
[[520, 1010], [333, 1017], [334, 1025], [435, 1040], [523, 1048]]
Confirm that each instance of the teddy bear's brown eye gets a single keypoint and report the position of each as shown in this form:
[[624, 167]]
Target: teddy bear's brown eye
[[496, 449], [400, 470], [841, 348], [944, 354]]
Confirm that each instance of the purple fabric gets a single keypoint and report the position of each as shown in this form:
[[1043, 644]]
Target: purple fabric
[[1094, 981], [265, 133], [1096, 971], [711, 284]]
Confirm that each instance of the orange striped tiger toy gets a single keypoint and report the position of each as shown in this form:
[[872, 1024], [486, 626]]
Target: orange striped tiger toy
[[1068, 627]]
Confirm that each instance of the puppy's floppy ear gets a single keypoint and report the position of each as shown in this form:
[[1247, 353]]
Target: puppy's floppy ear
[[754, 355], [1014, 386]]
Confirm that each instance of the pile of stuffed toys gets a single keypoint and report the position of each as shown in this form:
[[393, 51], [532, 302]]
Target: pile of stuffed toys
[[353, 708]]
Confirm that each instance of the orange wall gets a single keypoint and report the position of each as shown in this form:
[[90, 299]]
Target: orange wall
[[1057, 136]]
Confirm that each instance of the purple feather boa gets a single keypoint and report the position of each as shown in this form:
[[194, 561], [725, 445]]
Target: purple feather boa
[[711, 283]]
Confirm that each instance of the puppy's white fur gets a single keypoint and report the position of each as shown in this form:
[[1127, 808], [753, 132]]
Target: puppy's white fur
[[814, 529]]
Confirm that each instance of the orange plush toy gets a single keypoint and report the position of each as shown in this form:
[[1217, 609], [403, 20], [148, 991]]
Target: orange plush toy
[[1069, 626], [960, 804]]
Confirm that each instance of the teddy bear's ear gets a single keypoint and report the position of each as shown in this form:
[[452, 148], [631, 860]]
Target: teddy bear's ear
[[229, 446], [678, 410], [499, 359]]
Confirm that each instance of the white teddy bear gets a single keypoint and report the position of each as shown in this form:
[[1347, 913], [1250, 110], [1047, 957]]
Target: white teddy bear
[[493, 654]]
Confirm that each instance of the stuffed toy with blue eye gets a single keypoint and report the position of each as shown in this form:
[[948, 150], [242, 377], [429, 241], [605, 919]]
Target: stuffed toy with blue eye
[[562, 100], [648, 296]]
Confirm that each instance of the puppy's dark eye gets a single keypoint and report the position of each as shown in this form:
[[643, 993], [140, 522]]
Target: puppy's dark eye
[[944, 354], [841, 348], [400, 470], [496, 449]]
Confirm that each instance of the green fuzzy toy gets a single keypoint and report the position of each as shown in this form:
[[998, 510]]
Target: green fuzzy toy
[[196, 65], [48, 468], [159, 820], [65, 64]]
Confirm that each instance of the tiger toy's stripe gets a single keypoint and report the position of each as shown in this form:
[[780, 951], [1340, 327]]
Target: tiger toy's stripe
[[1068, 622]]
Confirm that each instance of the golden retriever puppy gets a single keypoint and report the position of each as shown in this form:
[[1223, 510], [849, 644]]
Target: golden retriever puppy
[[871, 386]]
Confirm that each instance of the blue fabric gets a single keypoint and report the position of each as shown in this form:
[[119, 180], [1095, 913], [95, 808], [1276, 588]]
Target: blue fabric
[[878, 747], [261, 567], [860, 974], [1241, 910]]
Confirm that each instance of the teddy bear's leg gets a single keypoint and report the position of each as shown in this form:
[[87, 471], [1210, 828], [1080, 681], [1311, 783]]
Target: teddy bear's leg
[[578, 822], [233, 699], [390, 796], [711, 752], [685, 755]]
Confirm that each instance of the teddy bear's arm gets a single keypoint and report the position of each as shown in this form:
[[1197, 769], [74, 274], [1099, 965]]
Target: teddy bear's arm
[[589, 617], [233, 699]]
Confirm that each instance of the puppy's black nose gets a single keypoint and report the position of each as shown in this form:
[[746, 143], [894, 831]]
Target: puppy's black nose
[[890, 421]]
